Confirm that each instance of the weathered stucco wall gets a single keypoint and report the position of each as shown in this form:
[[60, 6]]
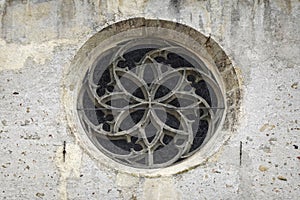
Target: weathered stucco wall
[[39, 39]]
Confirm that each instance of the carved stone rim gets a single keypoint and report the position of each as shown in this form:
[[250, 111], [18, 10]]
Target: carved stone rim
[[210, 52]]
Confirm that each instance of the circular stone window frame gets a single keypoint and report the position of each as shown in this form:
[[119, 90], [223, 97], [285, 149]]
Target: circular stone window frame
[[206, 48]]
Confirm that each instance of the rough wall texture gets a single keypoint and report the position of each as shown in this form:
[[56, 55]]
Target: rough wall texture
[[39, 39]]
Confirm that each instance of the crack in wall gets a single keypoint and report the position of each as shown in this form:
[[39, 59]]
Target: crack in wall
[[68, 161]]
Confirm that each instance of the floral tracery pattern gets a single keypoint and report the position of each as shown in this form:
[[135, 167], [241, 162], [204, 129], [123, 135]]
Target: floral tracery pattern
[[149, 107]]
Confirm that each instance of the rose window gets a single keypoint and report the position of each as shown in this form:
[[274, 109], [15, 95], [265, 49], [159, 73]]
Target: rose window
[[149, 103]]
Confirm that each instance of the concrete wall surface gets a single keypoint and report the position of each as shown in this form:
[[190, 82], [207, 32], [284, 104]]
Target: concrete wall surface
[[39, 39]]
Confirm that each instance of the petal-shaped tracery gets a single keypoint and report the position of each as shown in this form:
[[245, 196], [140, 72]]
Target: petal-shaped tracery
[[129, 83], [152, 106]]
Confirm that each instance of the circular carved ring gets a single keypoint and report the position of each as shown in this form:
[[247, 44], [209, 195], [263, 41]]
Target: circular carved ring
[[150, 94], [149, 103]]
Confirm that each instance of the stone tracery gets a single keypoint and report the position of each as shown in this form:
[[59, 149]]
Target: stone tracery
[[149, 103]]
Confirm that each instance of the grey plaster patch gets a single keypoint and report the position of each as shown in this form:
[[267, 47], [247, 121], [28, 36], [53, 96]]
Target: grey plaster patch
[[160, 188]]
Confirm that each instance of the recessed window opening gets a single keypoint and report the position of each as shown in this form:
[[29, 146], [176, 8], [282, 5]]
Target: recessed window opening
[[150, 103], [151, 97]]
